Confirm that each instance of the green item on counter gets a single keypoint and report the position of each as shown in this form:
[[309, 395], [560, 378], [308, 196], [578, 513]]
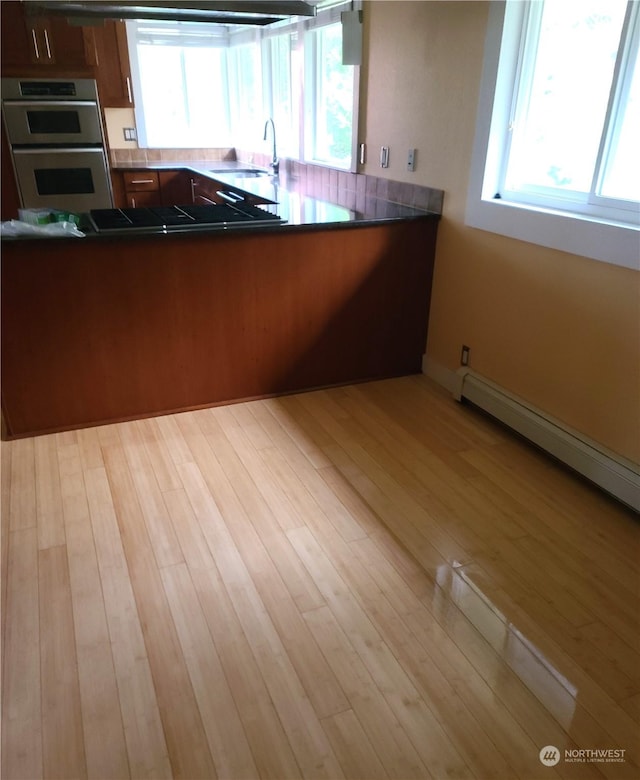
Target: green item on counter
[[46, 216], [35, 216], [64, 216]]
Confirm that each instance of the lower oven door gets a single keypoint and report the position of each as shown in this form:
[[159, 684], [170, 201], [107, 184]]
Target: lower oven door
[[70, 179]]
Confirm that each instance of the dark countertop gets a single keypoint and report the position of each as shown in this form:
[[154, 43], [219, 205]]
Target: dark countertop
[[297, 202], [300, 204]]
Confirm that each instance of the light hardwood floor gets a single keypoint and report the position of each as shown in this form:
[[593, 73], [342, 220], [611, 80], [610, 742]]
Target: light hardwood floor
[[365, 582]]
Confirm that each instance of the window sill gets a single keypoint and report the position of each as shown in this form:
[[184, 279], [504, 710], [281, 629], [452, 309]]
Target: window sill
[[598, 239]]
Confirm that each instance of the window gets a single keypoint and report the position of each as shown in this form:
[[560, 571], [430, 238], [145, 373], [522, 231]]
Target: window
[[329, 110], [245, 89], [180, 81], [280, 69], [562, 114], [559, 115], [201, 85]]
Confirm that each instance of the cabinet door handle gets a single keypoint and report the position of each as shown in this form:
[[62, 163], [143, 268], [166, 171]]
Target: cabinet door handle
[[34, 37], [133, 202], [129, 89], [46, 43], [142, 181], [193, 191]]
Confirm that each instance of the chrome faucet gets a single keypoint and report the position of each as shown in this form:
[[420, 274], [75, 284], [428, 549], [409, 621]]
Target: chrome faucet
[[275, 163]]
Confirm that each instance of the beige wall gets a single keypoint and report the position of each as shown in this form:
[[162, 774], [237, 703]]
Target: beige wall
[[116, 119], [561, 331]]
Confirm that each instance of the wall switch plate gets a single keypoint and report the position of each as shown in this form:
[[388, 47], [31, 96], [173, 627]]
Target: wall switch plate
[[129, 134], [411, 160], [384, 157]]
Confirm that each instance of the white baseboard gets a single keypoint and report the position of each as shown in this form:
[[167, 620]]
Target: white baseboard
[[440, 375], [610, 471]]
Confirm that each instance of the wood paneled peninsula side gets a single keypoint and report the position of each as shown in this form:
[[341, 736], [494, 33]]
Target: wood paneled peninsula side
[[109, 328]]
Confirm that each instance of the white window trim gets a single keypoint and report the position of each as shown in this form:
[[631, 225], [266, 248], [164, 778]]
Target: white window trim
[[331, 14], [306, 154], [595, 238]]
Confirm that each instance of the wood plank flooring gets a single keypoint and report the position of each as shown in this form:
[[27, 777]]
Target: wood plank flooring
[[364, 582]]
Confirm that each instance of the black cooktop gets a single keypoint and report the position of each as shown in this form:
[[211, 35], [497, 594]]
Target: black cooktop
[[179, 217]]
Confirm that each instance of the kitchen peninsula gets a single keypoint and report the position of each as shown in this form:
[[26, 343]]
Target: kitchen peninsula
[[131, 323]]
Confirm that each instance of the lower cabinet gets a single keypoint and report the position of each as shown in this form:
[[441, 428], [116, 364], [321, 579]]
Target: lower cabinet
[[175, 187], [108, 329], [142, 189], [159, 187], [204, 190]]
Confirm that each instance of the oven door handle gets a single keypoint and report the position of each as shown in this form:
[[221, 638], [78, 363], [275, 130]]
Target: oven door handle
[[60, 150], [49, 103]]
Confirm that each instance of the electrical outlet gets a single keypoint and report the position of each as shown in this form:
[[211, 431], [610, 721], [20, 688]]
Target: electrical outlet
[[464, 355], [411, 160]]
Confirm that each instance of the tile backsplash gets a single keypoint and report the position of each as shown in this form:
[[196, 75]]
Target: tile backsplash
[[348, 188], [144, 156]]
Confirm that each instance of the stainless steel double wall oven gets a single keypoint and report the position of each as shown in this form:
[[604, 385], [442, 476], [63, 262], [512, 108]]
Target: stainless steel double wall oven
[[57, 144]]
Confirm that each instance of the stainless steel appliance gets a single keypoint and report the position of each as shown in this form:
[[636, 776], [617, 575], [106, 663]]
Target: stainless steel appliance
[[177, 218], [57, 143], [253, 12]]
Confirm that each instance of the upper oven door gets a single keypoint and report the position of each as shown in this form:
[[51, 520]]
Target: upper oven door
[[44, 122]]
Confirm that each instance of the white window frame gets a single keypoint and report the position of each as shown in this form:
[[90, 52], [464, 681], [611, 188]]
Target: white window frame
[[292, 147], [589, 235], [329, 12], [236, 99], [327, 15]]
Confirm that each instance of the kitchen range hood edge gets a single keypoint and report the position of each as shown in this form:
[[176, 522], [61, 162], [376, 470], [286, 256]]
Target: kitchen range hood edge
[[246, 12]]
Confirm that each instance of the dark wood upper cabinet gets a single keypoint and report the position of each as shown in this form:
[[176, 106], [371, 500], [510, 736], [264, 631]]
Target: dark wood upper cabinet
[[33, 44], [113, 72], [17, 44]]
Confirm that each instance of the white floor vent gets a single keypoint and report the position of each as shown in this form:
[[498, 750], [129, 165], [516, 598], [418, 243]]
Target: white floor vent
[[615, 475]]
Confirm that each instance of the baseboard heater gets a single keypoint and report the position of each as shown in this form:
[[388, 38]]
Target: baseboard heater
[[615, 475]]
